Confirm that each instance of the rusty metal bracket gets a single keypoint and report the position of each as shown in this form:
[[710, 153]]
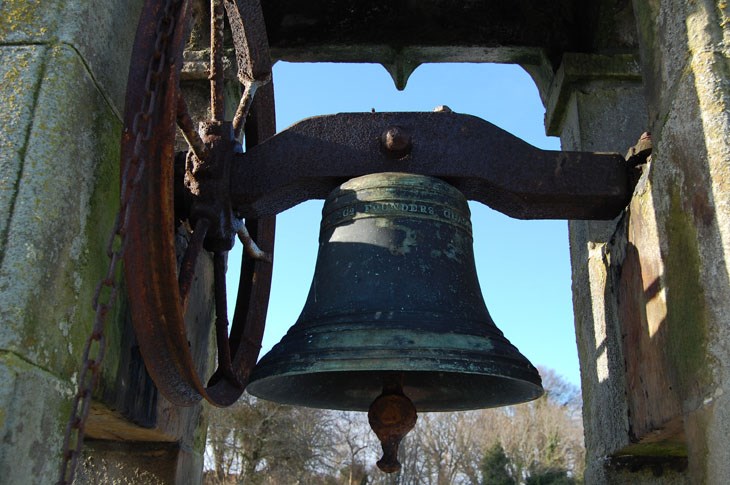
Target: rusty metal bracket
[[486, 163]]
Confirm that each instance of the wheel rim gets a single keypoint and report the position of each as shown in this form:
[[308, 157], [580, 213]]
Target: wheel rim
[[149, 253]]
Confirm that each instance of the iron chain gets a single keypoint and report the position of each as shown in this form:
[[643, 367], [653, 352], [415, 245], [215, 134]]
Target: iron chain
[[107, 288]]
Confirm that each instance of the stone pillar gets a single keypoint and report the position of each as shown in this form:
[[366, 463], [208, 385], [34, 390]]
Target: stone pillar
[[63, 73], [596, 103]]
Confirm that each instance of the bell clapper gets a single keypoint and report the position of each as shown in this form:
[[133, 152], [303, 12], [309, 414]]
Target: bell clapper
[[392, 415]]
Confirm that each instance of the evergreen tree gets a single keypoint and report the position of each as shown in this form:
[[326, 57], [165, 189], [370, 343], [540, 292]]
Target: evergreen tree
[[495, 467], [550, 476]]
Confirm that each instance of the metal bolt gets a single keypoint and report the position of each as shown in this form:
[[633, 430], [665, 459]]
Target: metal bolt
[[396, 141]]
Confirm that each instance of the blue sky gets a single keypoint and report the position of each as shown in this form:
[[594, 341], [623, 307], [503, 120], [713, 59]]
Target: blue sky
[[523, 266]]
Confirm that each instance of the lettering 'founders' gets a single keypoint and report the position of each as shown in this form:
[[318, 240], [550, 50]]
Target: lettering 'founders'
[[391, 208]]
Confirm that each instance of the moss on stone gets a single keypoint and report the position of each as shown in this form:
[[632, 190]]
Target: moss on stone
[[32, 21], [20, 72], [200, 433], [662, 448], [65, 207], [103, 207], [645, 15], [686, 309]]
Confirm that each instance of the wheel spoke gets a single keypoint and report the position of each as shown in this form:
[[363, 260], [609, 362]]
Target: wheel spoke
[[190, 260], [185, 123], [221, 317], [249, 245], [244, 106], [216, 60]]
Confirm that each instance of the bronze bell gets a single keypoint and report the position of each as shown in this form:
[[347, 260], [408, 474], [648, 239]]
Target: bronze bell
[[395, 307]]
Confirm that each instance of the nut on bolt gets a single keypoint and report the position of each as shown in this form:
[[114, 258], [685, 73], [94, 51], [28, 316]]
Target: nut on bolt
[[396, 142]]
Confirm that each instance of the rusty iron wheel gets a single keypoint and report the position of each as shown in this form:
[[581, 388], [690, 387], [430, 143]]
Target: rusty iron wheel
[[157, 287]]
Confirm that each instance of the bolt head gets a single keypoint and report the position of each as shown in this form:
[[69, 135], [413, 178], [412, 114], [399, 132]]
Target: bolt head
[[396, 142]]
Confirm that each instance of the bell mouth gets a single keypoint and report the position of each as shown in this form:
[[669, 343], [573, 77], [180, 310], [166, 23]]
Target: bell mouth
[[428, 390], [442, 363]]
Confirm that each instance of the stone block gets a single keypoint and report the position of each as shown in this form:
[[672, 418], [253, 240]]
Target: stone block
[[101, 33], [63, 209], [20, 73], [605, 415], [574, 74], [32, 423]]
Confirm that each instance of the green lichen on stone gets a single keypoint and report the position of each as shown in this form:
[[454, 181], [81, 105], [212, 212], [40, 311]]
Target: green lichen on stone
[[65, 207], [650, 40], [62, 415], [20, 72], [104, 206], [18, 62], [698, 425], [645, 15], [200, 433], [23, 15], [75, 179], [17, 13], [663, 448], [687, 316]]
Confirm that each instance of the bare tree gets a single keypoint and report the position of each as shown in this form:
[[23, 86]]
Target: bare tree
[[543, 434], [450, 441], [355, 444], [259, 442]]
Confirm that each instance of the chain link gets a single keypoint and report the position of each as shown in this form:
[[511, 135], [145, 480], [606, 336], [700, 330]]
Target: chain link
[[107, 288]]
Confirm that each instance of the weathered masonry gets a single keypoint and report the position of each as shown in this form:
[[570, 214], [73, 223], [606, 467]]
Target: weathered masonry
[[651, 289]]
